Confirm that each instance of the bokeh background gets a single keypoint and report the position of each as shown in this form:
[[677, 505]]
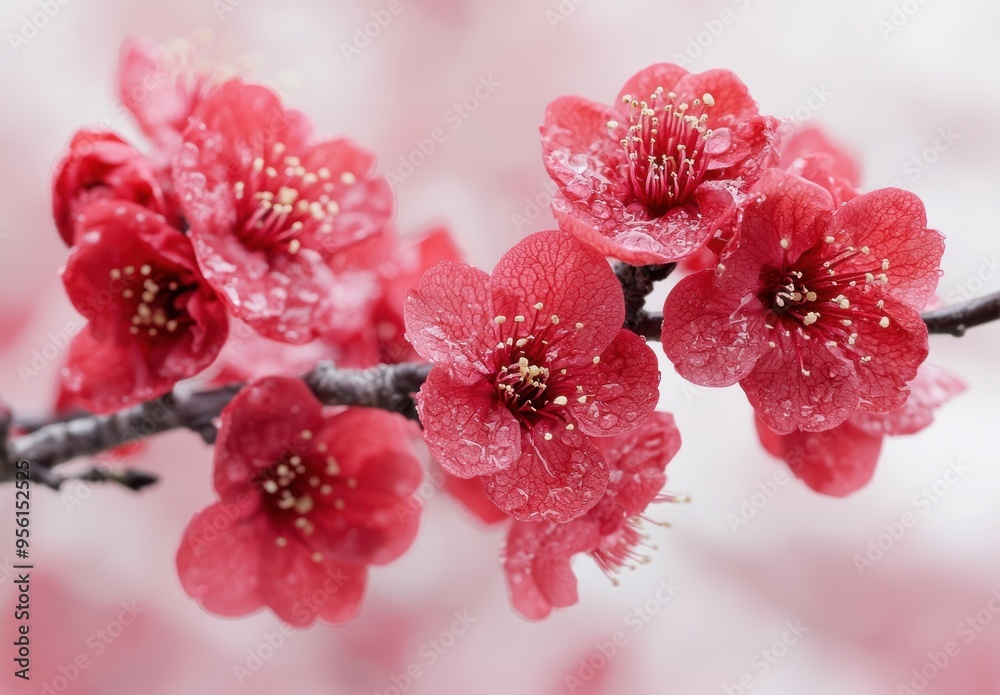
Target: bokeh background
[[911, 86]]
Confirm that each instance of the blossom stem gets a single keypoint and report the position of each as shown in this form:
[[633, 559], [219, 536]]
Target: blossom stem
[[131, 479], [389, 387], [950, 320], [386, 386], [954, 320], [637, 282], [649, 325]]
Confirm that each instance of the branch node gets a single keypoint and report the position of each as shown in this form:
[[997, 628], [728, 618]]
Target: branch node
[[637, 282]]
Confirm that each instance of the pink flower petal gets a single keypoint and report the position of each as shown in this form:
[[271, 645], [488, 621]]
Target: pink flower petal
[[834, 462], [893, 225], [712, 339], [932, 388], [786, 398], [536, 563], [644, 83], [261, 426], [219, 559], [449, 317], [788, 209], [575, 133], [467, 429], [160, 102], [573, 283], [620, 391], [380, 518], [300, 590], [732, 100], [896, 352], [365, 206], [119, 241], [632, 236], [469, 493], [637, 460], [556, 480], [810, 141]]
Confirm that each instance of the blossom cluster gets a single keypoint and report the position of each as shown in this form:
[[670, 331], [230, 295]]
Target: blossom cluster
[[801, 288], [242, 247]]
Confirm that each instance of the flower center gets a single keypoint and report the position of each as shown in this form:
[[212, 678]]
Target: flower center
[[299, 484], [157, 300], [622, 535], [826, 294], [526, 380], [666, 147], [282, 204], [619, 547], [521, 384]]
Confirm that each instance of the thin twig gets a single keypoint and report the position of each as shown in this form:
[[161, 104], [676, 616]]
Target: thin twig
[[389, 387], [954, 320], [131, 478], [951, 320]]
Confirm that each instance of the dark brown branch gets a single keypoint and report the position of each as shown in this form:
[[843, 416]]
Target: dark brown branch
[[954, 320], [649, 325], [389, 387], [131, 479], [951, 320], [28, 423], [63, 441], [6, 421], [637, 282]]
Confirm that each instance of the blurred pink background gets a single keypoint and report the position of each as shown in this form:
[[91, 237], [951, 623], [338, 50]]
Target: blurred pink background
[[778, 602]]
